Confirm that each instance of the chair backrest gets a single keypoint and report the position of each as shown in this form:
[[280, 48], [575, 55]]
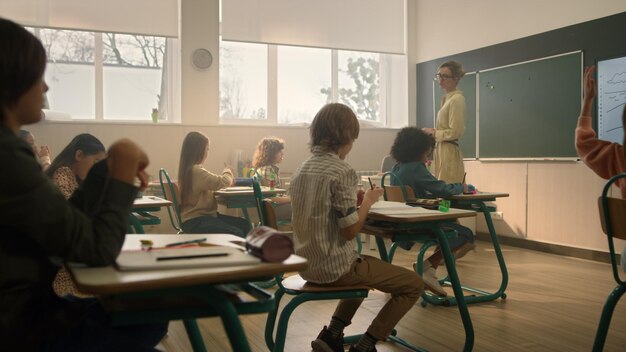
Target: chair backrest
[[613, 219], [270, 214], [171, 192], [260, 204], [387, 163], [398, 192]]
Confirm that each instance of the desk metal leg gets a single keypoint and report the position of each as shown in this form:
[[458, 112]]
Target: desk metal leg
[[497, 249], [230, 320], [195, 337], [456, 287], [478, 295]]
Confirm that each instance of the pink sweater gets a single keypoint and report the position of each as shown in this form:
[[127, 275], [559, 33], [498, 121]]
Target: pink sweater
[[606, 159]]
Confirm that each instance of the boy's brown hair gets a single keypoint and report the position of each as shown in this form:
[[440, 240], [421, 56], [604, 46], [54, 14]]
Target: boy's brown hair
[[334, 126]]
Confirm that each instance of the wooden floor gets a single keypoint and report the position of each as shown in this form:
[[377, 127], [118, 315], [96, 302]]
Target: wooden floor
[[553, 304]]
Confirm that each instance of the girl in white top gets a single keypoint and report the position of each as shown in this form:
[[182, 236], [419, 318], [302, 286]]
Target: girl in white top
[[450, 124]]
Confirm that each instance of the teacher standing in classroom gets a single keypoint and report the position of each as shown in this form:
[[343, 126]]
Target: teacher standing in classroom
[[450, 124]]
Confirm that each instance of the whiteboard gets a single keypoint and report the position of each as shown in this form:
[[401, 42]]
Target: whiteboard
[[611, 98]]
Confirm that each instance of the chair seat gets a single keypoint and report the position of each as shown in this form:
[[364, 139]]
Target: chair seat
[[297, 283]]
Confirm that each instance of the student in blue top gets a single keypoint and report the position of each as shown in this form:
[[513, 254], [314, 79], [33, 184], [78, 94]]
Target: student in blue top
[[412, 149]]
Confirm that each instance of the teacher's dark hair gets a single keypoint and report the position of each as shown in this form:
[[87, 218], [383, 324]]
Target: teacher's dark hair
[[22, 63], [410, 144]]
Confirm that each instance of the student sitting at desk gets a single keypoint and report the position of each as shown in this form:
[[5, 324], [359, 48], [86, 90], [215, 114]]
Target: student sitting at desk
[[39, 228], [325, 224], [268, 154], [70, 167], [198, 207], [67, 171], [606, 159], [41, 152], [412, 149]]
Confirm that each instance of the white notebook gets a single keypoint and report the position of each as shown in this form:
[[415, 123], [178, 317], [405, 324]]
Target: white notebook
[[179, 258]]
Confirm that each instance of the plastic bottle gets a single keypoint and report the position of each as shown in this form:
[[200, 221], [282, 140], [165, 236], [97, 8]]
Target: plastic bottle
[[272, 180]]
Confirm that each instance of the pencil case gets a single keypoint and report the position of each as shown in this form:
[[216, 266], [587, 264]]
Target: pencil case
[[268, 244], [243, 181]]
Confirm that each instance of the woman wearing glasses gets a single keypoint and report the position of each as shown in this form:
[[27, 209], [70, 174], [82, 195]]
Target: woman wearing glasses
[[450, 124]]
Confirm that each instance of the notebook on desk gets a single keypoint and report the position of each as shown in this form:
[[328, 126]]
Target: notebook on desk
[[180, 258]]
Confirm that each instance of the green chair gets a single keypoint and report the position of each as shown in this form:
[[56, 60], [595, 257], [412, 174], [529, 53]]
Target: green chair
[[400, 193], [171, 193], [613, 219], [301, 290]]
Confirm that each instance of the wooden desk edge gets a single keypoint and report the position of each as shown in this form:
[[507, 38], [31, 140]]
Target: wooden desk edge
[[294, 263], [479, 196], [411, 218]]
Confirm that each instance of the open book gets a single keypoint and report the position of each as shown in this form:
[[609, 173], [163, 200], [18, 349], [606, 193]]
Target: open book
[[179, 258], [396, 208]]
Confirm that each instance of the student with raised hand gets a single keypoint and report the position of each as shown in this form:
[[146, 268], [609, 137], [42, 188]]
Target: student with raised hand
[[605, 158], [39, 227], [198, 207], [325, 223], [268, 154], [450, 124], [41, 152], [70, 167], [412, 149]]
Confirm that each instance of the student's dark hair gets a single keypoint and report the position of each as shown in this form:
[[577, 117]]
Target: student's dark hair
[[410, 144], [85, 142], [266, 151], [191, 153], [455, 68], [334, 126], [22, 63]]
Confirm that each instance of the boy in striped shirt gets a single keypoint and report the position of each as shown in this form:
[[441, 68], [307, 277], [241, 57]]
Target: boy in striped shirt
[[325, 223]]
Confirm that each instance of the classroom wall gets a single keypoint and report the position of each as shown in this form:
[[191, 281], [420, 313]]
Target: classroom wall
[[551, 202]]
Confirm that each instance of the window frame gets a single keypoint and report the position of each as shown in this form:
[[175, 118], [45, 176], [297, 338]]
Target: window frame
[[272, 92], [173, 82]]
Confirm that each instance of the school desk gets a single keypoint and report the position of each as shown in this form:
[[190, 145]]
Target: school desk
[[135, 297], [396, 224], [476, 202], [243, 197], [142, 211]]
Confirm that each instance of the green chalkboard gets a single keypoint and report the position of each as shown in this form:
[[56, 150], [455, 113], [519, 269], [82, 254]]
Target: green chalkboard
[[468, 86], [530, 110]]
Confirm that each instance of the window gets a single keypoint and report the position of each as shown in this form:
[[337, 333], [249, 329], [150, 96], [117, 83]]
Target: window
[[297, 82], [304, 77], [243, 81], [70, 72], [109, 76]]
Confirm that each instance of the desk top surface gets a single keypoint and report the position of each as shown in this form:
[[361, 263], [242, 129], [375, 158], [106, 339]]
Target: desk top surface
[[150, 202], [402, 213], [109, 280], [246, 191]]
